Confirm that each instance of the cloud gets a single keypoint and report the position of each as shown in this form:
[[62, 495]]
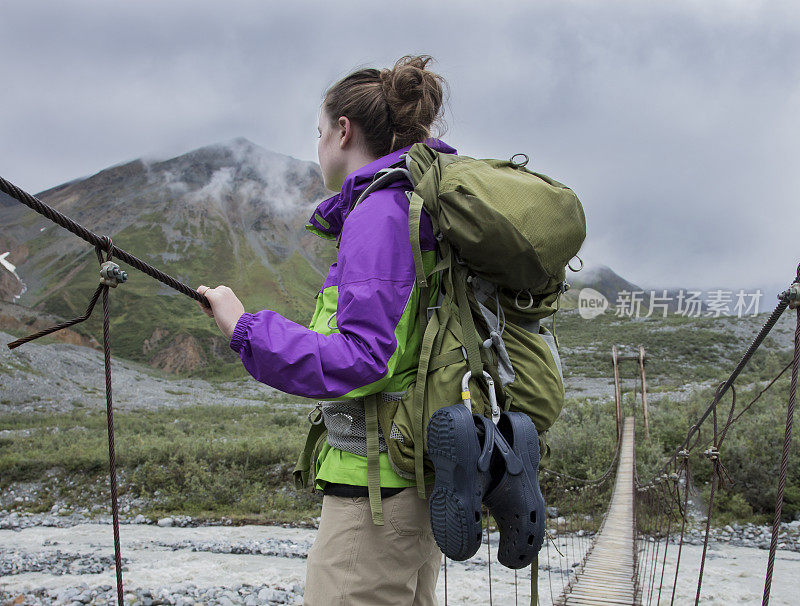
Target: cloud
[[674, 122]]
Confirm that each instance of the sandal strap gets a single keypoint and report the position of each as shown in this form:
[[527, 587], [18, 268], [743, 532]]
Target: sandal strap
[[513, 463], [485, 458]]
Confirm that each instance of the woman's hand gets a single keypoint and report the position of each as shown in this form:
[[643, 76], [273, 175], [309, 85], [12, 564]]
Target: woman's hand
[[226, 308]]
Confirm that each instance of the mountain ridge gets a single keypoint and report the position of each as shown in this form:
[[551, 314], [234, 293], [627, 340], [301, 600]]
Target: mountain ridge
[[230, 213], [227, 213]]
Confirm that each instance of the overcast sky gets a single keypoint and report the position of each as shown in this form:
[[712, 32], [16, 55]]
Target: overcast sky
[[676, 123]]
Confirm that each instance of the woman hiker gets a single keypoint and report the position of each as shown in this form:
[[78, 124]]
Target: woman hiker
[[364, 337]]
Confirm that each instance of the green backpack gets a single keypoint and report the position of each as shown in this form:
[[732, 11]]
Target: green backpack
[[505, 236]]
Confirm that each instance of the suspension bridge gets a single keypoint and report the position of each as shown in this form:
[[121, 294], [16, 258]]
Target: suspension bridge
[[625, 560], [607, 575]]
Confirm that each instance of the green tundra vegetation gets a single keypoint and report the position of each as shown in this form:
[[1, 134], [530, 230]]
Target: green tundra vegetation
[[204, 461], [236, 461]]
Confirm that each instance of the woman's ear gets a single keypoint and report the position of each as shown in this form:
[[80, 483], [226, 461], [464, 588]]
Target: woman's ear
[[346, 134]]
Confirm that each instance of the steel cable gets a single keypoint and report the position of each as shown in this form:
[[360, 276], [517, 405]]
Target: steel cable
[[97, 241], [112, 465], [684, 515], [773, 544], [768, 325], [666, 541]]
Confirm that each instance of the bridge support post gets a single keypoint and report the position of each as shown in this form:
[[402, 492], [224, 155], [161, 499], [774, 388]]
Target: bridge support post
[[617, 391], [644, 395]]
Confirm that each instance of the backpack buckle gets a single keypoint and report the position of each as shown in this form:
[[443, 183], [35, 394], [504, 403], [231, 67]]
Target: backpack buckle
[[466, 395]]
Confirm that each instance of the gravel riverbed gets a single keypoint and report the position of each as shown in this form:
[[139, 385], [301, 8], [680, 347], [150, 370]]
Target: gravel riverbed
[[248, 565]]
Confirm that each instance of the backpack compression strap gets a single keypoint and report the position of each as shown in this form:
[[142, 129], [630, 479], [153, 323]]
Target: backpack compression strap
[[305, 464], [373, 460], [426, 349], [470, 333]]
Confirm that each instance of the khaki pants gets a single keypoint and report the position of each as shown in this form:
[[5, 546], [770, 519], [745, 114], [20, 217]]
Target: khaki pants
[[355, 563]]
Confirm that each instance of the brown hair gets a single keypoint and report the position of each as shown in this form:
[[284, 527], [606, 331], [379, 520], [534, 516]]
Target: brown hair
[[393, 107]]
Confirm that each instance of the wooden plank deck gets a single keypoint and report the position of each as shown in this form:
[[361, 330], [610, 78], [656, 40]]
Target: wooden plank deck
[[607, 574]]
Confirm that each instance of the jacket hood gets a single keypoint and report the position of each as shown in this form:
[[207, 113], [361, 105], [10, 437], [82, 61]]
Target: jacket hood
[[328, 218]]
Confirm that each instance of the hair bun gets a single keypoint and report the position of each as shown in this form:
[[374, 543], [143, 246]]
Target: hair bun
[[414, 96], [408, 80], [396, 107], [385, 76]]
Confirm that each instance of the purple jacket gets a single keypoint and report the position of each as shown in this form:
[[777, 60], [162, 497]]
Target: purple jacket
[[364, 336]]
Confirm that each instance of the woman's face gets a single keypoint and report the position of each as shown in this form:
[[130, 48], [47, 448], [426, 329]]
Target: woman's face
[[332, 159]]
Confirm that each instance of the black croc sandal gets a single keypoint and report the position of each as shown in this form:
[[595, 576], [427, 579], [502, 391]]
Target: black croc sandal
[[461, 465], [515, 501]]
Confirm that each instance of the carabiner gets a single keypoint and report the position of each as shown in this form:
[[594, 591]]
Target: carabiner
[[466, 395]]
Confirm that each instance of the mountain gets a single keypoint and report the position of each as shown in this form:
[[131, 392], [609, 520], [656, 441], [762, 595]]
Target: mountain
[[601, 278], [610, 284], [230, 213]]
